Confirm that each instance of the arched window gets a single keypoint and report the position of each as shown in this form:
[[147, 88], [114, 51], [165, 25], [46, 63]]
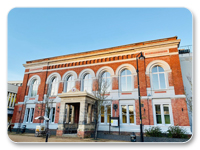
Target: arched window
[[126, 80], [158, 78], [106, 81], [53, 86], [34, 88], [87, 83], [70, 83]]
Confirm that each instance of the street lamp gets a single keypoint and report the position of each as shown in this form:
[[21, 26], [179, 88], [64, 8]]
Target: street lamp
[[139, 56]]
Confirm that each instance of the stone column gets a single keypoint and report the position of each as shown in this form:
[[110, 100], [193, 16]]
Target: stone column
[[67, 115], [89, 113], [72, 115], [83, 113], [59, 132]]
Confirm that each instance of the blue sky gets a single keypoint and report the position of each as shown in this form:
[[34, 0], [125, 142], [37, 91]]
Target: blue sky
[[35, 33]]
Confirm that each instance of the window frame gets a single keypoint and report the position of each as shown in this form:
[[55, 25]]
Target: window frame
[[30, 115], [32, 86], [55, 88], [83, 85], [161, 103], [127, 113], [107, 78], [50, 114], [126, 76], [158, 78], [67, 83], [106, 121]]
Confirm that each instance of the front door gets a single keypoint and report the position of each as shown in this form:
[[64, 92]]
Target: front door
[[71, 118]]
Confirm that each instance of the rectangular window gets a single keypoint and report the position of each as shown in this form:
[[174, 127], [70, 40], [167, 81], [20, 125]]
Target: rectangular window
[[162, 80], [158, 114], [166, 114], [32, 114], [102, 114], [131, 114], [155, 81], [129, 83], [124, 115], [27, 114], [108, 113], [162, 114], [53, 114]]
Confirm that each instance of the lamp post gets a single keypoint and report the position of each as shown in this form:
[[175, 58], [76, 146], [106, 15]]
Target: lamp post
[[139, 56]]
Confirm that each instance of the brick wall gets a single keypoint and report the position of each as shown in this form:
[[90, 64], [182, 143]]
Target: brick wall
[[180, 113]]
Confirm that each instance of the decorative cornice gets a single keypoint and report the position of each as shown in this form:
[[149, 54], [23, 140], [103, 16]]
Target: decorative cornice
[[109, 52]]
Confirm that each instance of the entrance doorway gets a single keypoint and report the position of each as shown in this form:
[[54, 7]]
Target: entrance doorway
[[71, 120]]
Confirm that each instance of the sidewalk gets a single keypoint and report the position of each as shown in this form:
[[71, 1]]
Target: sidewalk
[[25, 137]]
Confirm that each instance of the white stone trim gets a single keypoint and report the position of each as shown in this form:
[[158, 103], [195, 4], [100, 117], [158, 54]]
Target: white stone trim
[[83, 72], [103, 69], [69, 73], [32, 78], [54, 74], [161, 63], [162, 102], [130, 67]]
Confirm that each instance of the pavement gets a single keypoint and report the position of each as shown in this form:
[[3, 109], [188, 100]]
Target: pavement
[[25, 137]]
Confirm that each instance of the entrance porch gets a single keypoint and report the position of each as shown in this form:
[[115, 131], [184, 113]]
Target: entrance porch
[[76, 114]]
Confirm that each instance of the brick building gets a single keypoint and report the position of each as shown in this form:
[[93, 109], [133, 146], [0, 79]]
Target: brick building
[[70, 79]]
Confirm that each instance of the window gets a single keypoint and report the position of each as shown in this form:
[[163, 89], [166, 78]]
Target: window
[[87, 83], [106, 82], [126, 80], [102, 114], [105, 113], [124, 114], [32, 114], [162, 114], [50, 113], [29, 114], [70, 83], [34, 88], [158, 78], [108, 108], [127, 113], [53, 86]]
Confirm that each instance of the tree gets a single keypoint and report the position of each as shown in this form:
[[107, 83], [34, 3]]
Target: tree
[[100, 91], [48, 106]]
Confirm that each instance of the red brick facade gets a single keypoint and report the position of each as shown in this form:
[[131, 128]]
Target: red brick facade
[[174, 79]]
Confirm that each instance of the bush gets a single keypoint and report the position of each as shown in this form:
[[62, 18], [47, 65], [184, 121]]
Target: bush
[[153, 131], [176, 132]]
